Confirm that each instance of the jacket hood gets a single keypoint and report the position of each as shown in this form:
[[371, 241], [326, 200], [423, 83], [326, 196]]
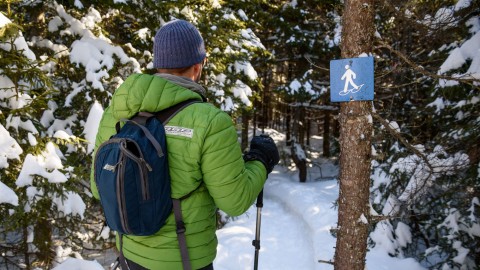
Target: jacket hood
[[185, 82], [152, 93]]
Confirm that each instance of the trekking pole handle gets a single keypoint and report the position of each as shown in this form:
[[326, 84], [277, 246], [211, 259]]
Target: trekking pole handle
[[260, 199]]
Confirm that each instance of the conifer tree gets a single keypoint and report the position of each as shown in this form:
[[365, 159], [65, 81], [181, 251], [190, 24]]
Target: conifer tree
[[34, 172], [87, 49], [426, 173]]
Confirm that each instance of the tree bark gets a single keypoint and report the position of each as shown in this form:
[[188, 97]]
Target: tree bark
[[307, 130], [245, 122], [26, 254], [301, 163], [288, 126], [355, 146], [43, 240], [326, 134], [300, 121], [255, 122]]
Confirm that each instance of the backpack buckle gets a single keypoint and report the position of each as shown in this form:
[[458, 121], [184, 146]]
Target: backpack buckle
[[180, 227]]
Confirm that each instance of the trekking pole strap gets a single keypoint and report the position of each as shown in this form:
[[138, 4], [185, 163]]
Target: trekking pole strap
[[182, 241]]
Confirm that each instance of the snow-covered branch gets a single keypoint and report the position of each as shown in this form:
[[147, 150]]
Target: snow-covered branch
[[470, 79], [423, 168]]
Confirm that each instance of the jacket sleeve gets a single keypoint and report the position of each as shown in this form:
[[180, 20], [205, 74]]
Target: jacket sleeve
[[233, 184], [106, 129]]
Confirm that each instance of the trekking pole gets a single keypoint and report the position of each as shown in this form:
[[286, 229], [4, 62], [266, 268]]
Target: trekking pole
[[256, 242]]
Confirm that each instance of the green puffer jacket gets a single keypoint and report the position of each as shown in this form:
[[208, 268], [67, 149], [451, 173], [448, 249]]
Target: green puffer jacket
[[210, 158]]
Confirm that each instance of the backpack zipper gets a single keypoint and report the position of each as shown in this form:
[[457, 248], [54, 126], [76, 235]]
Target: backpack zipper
[[142, 165], [121, 194], [96, 157]]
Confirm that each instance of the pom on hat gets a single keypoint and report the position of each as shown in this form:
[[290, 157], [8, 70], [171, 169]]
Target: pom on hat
[[178, 44]]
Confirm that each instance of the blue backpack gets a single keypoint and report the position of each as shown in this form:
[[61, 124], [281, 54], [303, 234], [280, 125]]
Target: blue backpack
[[132, 177]]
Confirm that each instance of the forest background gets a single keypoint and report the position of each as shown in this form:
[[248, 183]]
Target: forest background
[[268, 66]]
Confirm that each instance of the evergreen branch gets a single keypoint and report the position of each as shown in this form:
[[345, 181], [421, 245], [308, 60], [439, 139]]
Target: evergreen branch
[[375, 219], [10, 261], [410, 147], [425, 72], [402, 139], [106, 247], [411, 216], [402, 85]]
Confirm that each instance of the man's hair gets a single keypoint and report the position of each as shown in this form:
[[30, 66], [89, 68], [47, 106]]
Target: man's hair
[[174, 70]]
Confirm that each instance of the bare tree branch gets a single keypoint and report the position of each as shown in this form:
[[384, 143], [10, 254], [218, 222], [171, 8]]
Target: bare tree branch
[[311, 63], [327, 262]]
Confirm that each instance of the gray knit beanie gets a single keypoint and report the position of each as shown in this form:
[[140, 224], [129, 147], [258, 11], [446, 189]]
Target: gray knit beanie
[[178, 44]]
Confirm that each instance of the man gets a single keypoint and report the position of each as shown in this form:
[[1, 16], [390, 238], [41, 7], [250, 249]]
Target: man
[[203, 151]]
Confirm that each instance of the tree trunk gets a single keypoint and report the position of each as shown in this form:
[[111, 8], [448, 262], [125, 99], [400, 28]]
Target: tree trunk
[[300, 125], [355, 146], [255, 123], [245, 120], [43, 240], [26, 254], [309, 123], [288, 126], [300, 162], [326, 134]]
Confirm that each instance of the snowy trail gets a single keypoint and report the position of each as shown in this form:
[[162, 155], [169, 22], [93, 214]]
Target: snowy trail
[[237, 252], [286, 241], [289, 239]]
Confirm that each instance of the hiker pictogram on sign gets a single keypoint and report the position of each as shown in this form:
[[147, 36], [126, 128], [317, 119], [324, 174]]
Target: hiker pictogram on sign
[[351, 79], [349, 76]]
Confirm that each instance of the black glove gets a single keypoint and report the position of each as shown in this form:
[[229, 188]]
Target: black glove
[[263, 149]]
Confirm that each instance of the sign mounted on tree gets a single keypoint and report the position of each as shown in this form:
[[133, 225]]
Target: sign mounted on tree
[[351, 79]]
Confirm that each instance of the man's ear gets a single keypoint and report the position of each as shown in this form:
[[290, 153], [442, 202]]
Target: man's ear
[[197, 70], [197, 67]]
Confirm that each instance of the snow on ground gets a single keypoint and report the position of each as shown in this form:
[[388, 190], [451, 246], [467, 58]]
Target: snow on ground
[[295, 231], [296, 220]]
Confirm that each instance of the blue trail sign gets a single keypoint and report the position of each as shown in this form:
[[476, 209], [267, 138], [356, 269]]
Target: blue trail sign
[[351, 79]]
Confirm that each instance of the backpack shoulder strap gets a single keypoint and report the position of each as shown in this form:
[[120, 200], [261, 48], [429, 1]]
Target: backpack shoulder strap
[[180, 229], [165, 115]]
